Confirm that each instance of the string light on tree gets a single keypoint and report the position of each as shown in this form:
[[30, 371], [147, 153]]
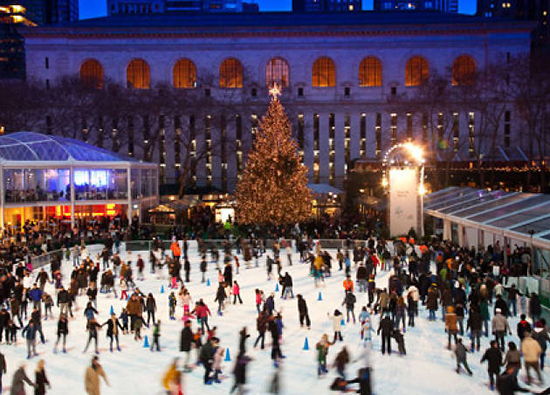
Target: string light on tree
[[273, 188]]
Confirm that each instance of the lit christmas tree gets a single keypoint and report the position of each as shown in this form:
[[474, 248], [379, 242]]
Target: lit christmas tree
[[273, 188]]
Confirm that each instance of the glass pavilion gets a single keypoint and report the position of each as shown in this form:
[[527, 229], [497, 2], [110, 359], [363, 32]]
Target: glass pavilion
[[479, 217], [43, 176]]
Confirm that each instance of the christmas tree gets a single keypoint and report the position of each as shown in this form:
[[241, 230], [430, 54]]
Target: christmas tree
[[273, 188]]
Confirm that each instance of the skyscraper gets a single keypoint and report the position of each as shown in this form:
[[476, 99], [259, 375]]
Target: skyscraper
[[416, 5], [45, 12], [326, 5], [12, 48]]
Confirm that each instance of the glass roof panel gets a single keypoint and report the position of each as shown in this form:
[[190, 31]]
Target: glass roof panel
[[546, 237], [527, 215], [49, 150], [537, 226], [499, 201], [531, 201], [482, 196], [16, 152], [440, 193], [453, 198]]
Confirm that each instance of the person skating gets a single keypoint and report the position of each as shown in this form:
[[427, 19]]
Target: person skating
[[474, 324], [186, 341], [236, 293], [92, 327], [172, 380], [364, 381], [386, 328], [540, 334], [150, 308], [19, 380], [92, 377], [523, 327], [400, 340], [207, 358], [336, 319], [512, 359], [322, 348], [507, 383], [349, 302], [156, 336], [220, 298], [460, 354], [303, 312], [41, 380], [500, 326], [240, 373], [531, 351], [493, 356], [450, 325], [261, 327], [62, 332], [29, 333], [243, 335], [276, 353], [113, 325], [341, 361]]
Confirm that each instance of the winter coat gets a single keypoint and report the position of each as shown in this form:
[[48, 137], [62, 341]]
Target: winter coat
[[474, 321], [150, 304], [385, 326], [336, 322], [302, 306], [541, 335], [41, 381], [512, 358], [507, 384], [240, 369], [186, 339], [530, 349], [62, 328], [523, 328], [460, 352], [92, 380], [450, 322], [134, 307], [499, 323], [220, 295], [494, 357], [112, 327], [207, 353], [18, 382], [534, 307], [431, 303], [29, 332]]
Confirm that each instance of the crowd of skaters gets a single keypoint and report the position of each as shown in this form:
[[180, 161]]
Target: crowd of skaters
[[464, 285]]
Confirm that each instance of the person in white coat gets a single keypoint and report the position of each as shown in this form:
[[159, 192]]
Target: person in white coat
[[337, 318]]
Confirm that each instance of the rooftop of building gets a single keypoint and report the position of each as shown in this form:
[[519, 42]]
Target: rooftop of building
[[35, 147], [281, 21]]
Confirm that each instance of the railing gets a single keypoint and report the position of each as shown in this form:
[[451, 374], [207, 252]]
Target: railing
[[45, 259]]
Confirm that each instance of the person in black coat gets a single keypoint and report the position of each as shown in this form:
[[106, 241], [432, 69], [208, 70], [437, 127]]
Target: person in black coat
[[240, 372], [220, 298], [113, 325], [502, 305], [303, 312], [3, 367], [386, 327], [187, 269], [41, 380], [243, 335], [523, 327], [474, 324], [363, 378], [507, 383], [493, 356], [534, 308], [186, 340], [62, 331], [151, 308]]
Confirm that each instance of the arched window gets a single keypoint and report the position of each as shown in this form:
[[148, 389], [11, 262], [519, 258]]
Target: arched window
[[277, 71], [185, 74], [464, 69], [231, 74], [370, 72], [323, 73], [91, 74], [138, 75], [416, 71]]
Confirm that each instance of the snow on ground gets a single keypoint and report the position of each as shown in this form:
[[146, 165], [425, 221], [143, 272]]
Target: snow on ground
[[428, 367]]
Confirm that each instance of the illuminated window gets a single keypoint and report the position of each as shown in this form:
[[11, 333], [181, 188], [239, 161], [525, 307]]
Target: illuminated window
[[370, 72], [323, 73], [91, 74], [277, 71], [138, 75], [464, 69], [185, 74], [231, 74], [416, 71]]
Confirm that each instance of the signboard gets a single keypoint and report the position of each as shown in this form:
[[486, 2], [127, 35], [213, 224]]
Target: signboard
[[403, 200]]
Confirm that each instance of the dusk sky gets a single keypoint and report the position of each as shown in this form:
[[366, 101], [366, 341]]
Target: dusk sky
[[96, 8]]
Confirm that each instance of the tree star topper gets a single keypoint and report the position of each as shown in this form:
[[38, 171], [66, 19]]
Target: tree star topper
[[275, 91]]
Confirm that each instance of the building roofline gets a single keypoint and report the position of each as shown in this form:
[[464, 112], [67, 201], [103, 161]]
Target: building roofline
[[367, 23]]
